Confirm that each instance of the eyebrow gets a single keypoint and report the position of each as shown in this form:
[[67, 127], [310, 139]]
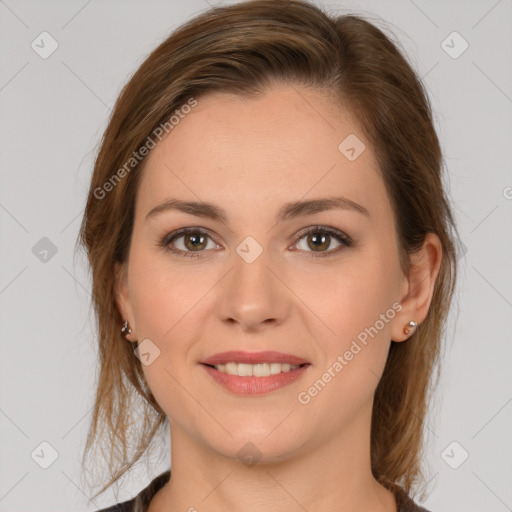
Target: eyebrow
[[286, 212]]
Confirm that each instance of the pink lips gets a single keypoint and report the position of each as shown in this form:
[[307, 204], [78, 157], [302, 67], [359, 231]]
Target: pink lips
[[238, 356], [252, 385]]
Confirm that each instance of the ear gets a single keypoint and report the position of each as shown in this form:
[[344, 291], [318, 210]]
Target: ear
[[123, 298], [418, 286]]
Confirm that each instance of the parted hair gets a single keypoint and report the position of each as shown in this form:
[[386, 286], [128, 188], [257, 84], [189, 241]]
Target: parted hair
[[243, 49]]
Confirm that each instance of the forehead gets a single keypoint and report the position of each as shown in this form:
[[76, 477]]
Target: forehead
[[287, 144]]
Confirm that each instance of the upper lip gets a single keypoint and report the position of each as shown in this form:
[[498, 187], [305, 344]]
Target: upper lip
[[238, 356]]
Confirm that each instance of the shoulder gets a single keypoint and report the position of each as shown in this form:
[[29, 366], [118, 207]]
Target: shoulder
[[125, 506], [404, 501], [140, 503], [413, 507]]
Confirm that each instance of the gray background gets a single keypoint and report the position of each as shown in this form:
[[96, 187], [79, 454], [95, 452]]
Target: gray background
[[53, 112]]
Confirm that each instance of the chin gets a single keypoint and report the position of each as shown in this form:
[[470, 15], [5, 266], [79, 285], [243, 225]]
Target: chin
[[262, 443]]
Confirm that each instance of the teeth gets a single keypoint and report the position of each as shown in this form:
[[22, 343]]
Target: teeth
[[244, 370], [256, 370], [261, 370]]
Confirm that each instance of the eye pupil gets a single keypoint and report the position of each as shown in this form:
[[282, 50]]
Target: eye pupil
[[322, 243], [196, 241]]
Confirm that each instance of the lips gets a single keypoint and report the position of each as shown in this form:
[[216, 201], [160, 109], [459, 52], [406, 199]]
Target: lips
[[254, 373], [237, 356]]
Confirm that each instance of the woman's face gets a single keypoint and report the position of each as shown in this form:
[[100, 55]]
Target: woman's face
[[266, 278]]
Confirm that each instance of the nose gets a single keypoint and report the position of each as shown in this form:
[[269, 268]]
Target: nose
[[253, 296]]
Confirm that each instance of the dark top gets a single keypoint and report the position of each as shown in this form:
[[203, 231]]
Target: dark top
[[141, 502]]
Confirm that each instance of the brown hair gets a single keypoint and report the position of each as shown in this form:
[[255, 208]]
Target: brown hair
[[243, 49]]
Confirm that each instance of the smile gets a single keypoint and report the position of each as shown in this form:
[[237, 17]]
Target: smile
[[254, 373], [256, 370]]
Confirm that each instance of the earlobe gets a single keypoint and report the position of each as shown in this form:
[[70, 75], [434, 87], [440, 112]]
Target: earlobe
[[424, 269], [123, 302], [410, 328]]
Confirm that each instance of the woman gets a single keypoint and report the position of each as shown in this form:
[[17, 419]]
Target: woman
[[267, 225]]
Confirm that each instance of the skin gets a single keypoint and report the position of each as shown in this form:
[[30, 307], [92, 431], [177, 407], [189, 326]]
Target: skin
[[250, 157]]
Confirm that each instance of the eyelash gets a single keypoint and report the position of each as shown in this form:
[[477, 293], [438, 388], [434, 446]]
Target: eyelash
[[322, 230]]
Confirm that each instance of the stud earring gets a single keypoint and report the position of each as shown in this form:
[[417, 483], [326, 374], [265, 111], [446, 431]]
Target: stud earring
[[126, 328], [410, 327]]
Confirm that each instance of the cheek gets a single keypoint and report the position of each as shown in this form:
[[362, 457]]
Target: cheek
[[357, 301], [170, 304], [166, 300], [161, 294], [352, 296], [359, 310]]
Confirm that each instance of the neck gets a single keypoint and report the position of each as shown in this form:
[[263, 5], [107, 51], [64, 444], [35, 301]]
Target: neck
[[333, 475]]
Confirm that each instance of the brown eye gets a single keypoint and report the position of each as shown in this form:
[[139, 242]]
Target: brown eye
[[320, 240], [194, 241], [188, 242]]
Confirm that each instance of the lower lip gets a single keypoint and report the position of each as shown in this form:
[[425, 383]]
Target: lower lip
[[255, 385]]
